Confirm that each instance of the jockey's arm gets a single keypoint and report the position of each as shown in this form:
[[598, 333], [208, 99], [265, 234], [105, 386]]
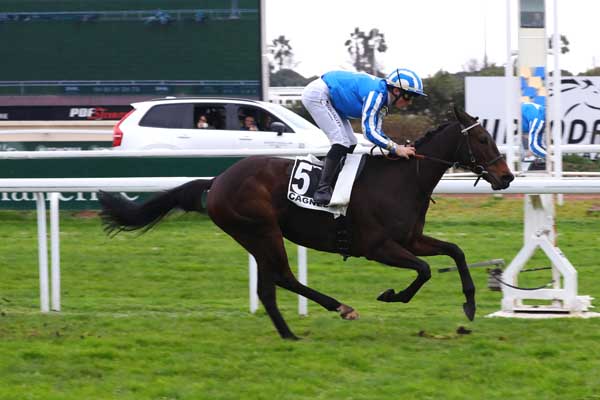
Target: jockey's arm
[[536, 128], [371, 123]]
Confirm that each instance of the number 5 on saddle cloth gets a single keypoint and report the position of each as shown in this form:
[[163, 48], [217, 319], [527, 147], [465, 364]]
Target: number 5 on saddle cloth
[[305, 177]]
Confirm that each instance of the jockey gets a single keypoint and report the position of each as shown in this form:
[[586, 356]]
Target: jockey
[[532, 123], [339, 96]]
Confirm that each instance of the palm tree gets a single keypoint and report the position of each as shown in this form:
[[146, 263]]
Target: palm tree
[[564, 43], [281, 51], [362, 48]]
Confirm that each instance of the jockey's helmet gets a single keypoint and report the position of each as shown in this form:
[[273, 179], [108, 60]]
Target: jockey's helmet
[[407, 80]]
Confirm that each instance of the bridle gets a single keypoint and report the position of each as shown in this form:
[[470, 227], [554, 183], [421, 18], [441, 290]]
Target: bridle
[[479, 169]]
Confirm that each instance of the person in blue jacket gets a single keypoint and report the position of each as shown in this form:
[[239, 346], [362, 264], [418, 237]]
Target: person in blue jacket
[[338, 96], [533, 118]]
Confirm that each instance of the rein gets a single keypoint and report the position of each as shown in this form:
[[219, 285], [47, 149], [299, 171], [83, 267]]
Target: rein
[[476, 168]]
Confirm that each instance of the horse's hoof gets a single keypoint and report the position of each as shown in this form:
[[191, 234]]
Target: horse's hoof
[[469, 309], [387, 296], [402, 297], [291, 337], [347, 312]]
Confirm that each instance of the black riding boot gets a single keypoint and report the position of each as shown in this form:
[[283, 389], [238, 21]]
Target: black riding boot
[[324, 190]]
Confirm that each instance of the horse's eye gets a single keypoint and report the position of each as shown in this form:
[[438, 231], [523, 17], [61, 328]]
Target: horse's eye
[[483, 139]]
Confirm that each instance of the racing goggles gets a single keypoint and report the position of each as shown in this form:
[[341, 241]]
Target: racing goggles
[[408, 96]]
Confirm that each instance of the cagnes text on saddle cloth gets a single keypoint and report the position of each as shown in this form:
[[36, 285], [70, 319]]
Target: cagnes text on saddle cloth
[[304, 179]]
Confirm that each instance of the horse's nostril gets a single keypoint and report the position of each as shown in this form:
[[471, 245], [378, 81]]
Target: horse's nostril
[[508, 178]]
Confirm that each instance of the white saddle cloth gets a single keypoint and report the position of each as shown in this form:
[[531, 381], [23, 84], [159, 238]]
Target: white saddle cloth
[[303, 183]]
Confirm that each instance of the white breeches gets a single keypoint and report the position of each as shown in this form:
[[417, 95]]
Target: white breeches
[[315, 98]]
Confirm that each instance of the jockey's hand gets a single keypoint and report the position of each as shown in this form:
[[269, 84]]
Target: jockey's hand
[[402, 151]]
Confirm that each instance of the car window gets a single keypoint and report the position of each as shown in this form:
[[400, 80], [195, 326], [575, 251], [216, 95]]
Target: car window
[[209, 116], [257, 119], [176, 116]]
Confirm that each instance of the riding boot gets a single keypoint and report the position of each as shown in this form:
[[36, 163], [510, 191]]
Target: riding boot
[[324, 190]]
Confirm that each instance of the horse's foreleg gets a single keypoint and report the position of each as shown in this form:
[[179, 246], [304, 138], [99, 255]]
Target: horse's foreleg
[[393, 254], [428, 246]]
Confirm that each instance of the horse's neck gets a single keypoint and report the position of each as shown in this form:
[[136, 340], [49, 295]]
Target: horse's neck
[[443, 146]]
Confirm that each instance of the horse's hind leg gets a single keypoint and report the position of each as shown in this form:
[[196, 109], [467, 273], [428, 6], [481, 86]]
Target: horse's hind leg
[[267, 295], [269, 251], [428, 246], [393, 254], [288, 281]]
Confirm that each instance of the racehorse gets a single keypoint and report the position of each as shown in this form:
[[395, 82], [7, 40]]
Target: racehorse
[[387, 209]]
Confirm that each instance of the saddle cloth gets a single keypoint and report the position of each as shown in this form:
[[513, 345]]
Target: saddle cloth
[[305, 177]]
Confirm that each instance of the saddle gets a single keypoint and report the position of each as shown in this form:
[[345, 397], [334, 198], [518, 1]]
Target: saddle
[[305, 175]]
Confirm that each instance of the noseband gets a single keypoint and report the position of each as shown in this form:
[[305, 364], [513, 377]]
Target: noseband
[[479, 169]]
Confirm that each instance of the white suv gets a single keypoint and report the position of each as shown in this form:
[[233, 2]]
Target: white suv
[[216, 124]]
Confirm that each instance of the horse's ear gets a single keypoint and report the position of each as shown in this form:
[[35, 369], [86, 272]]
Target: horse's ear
[[461, 115], [458, 112]]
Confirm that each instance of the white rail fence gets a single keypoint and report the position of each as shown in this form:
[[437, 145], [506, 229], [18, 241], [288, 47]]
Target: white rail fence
[[48, 189], [525, 185]]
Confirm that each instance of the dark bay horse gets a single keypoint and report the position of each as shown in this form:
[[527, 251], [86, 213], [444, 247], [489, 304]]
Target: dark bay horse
[[387, 213]]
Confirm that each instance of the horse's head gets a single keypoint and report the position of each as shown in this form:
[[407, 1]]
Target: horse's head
[[480, 153]]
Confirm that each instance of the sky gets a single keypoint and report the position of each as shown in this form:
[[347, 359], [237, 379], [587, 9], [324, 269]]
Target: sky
[[424, 35]]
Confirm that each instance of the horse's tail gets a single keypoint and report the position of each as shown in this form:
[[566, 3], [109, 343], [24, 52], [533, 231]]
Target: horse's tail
[[120, 214]]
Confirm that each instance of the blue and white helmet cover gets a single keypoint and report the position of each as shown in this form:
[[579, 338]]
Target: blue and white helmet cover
[[407, 80]]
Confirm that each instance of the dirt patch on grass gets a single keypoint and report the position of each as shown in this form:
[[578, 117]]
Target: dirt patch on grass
[[86, 214]]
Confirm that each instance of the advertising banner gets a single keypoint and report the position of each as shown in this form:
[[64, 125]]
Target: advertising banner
[[63, 113], [485, 97]]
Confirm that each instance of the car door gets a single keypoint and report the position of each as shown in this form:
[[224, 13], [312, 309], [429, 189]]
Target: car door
[[167, 126], [260, 135], [173, 126]]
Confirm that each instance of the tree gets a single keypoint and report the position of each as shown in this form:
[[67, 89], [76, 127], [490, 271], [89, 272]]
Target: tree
[[281, 51], [564, 43], [443, 89], [591, 72], [363, 48], [288, 77]]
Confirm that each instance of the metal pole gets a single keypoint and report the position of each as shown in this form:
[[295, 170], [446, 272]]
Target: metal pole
[[264, 96], [509, 106], [556, 109], [55, 251], [303, 279], [42, 252]]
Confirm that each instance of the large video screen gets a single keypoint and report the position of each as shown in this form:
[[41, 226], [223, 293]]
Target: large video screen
[[113, 47]]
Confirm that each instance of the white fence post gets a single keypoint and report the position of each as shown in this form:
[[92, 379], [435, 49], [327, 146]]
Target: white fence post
[[55, 251], [303, 279], [253, 271], [42, 252]]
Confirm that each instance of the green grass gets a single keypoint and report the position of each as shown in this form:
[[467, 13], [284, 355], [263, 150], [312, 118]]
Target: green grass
[[165, 316]]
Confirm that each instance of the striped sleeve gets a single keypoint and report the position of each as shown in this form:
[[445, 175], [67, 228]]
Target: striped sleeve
[[371, 121], [536, 137]]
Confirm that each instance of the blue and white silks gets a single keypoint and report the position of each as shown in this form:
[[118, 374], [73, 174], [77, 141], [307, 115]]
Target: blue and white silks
[[533, 122], [360, 95]]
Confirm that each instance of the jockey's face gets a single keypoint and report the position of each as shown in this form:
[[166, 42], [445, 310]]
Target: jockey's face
[[404, 99]]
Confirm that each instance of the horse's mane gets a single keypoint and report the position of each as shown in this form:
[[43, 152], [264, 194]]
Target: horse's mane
[[431, 133]]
